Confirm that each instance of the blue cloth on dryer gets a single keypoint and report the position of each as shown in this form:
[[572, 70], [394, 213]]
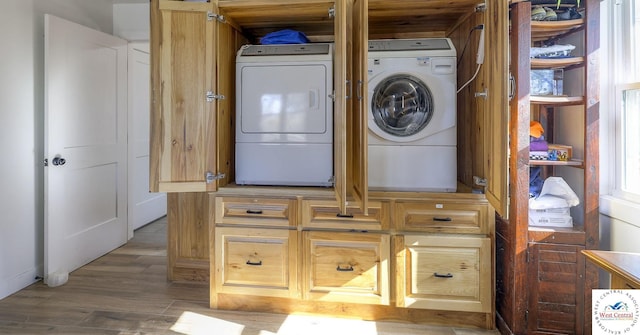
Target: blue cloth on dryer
[[285, 36]]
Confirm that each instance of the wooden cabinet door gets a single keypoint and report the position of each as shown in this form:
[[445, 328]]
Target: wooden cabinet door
[[431, 216], [495, 107], [323, 214], [444, 272], [256, 261], [349, 184], [346, 267], [266, 212], [556, 289], [357, 120], [183, 149]]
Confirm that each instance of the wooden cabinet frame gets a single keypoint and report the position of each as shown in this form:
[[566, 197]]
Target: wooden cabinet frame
[[355, 21]]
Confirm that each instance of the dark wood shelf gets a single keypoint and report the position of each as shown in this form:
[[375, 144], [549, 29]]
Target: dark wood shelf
[[541, 162], [544, 30]]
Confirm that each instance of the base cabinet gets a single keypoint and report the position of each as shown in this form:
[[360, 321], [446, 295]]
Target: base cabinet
[[557, 297], [413, 259]]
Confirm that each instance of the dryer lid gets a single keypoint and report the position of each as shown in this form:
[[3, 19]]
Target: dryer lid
[[402, 105]]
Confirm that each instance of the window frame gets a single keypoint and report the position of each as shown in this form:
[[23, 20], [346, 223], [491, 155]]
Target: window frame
[[619, 171], [625, 26]]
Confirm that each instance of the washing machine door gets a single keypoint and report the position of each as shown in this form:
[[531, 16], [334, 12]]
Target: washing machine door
[[402, 106]]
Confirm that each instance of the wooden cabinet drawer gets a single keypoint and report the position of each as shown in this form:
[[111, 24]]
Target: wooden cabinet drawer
[[442, 217], [620, 283], [256, 261], [324, 214], [346, 267], [444, 273], [255, 211]]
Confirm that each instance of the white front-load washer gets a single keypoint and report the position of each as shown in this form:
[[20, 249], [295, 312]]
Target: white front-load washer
[[412, 115], [284, 115]]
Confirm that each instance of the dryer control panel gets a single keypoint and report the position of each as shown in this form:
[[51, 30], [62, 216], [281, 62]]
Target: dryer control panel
[[410, 44], [285, 49]]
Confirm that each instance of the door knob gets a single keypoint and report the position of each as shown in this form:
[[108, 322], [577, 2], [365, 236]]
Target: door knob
[[58, 161]]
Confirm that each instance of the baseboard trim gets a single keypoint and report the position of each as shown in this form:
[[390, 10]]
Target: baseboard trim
[[9, 286]]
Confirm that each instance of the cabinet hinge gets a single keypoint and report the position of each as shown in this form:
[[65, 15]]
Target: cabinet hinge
[[526, 319], [332, 12], [480, 181], [210, 177], [213, 16], [332, 96], [211, 96], [46, 162], [527, 255], [332, 180], [512, 86]]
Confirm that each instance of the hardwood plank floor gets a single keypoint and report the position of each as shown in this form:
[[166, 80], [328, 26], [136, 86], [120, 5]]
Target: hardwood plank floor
[[126, 292]]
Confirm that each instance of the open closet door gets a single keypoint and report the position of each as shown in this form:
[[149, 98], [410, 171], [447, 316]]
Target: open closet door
[[144, 206], [85, 146]]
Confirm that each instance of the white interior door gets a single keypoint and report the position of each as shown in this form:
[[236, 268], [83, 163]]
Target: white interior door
[[144, 206], [85, 145]]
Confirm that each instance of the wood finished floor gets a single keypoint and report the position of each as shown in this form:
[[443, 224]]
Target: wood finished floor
[[126, 292]]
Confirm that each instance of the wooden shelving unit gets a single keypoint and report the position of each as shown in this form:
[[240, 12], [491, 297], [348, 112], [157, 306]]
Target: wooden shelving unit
[[543, 281]]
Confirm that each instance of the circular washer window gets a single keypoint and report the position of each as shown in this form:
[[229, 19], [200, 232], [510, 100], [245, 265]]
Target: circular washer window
[[402, 105]]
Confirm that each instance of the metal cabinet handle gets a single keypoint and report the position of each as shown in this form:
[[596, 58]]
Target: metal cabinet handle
[[437, 275], [254, 211], [254, 263], [442, 219], [341, 269]]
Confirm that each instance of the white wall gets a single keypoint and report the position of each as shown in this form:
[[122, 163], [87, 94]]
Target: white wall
[[21, 126], [131, 21]]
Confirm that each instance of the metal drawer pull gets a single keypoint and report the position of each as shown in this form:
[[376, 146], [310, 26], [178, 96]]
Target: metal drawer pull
[[350, 268], [442, 219], [344, 215], [437, 275], [254, 263], [254, 211]]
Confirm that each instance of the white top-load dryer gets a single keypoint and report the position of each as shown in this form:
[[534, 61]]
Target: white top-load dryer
[[284, 115], [412, 115]]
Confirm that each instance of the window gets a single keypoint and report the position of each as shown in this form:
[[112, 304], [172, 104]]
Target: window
[[627, 99], [628, 141]]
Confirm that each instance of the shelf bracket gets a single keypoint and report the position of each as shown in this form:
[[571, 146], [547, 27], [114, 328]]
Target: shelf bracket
[[479, 181]]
